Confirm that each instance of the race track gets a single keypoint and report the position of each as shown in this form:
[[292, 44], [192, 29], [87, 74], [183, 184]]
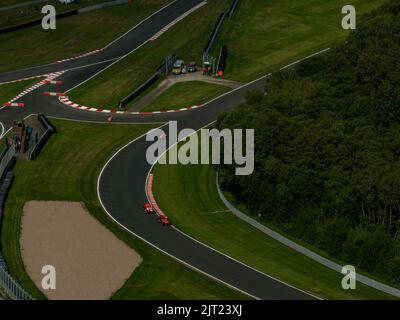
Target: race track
[[121, 185]]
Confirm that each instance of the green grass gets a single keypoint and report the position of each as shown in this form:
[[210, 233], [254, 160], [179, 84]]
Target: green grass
[[264, 35], [68, 171], [11, 90], [74, 35], [188, 195], [187, 39], [31, 12], [185, 94]]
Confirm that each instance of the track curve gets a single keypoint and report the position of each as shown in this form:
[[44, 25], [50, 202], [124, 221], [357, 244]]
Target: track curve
[[121, 185]]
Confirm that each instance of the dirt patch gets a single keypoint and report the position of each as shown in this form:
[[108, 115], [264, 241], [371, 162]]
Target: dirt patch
[[90, 261]]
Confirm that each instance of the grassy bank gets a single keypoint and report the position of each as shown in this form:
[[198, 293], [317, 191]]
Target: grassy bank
[[68, 171], [31, 12], [74, 35], [280, 33], [186, 94], [187, 39], [264, 35], [188, 195]]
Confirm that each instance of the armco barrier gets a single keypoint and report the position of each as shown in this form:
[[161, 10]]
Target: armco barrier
[[139, 90], [49, 130], [4, 188], [36, 22], [163, 68], [7, 160], [12, 289], [214, 33], [232, 8]]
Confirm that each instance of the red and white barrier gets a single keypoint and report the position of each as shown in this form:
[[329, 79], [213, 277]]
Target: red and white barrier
[[53, 94], [52, 82], [49, 77], [14, 104]]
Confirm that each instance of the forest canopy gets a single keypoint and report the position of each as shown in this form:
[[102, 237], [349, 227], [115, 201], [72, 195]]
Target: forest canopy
[[327, 148]]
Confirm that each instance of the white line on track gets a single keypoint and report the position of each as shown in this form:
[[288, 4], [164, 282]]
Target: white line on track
[[118, 58], [102, 122], [133, 50], [308, 57], [143, 239], [170, 255], [141, 22], [201, 243]]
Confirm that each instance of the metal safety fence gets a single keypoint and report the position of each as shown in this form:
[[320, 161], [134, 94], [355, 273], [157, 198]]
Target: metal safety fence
[[6, 160], [11, 288], [165, 67]]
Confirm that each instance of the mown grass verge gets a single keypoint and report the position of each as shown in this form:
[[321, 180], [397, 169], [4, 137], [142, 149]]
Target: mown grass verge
[[186, 94], [188, 195], [67, 170]]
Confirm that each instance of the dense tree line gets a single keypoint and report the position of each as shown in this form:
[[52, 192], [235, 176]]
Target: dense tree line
[[327, 167]]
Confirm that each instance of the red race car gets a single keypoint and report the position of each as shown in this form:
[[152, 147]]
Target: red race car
[[148, 208], [164, 220]]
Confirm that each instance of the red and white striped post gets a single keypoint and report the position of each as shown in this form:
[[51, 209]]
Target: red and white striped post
[[14, 104], [53, 94]]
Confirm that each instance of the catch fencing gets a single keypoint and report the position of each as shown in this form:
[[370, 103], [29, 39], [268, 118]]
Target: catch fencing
[[11, 288]]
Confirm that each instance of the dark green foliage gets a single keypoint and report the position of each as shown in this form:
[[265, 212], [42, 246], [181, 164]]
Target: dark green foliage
[[327, 166]]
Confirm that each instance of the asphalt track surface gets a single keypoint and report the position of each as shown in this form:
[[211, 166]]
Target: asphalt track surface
[[121, 186]]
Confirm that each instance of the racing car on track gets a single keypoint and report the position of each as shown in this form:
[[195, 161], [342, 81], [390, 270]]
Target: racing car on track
[[147, 207], [164, 220]]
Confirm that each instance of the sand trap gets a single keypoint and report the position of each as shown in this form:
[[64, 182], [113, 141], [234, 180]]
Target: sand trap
[[90, 261]]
